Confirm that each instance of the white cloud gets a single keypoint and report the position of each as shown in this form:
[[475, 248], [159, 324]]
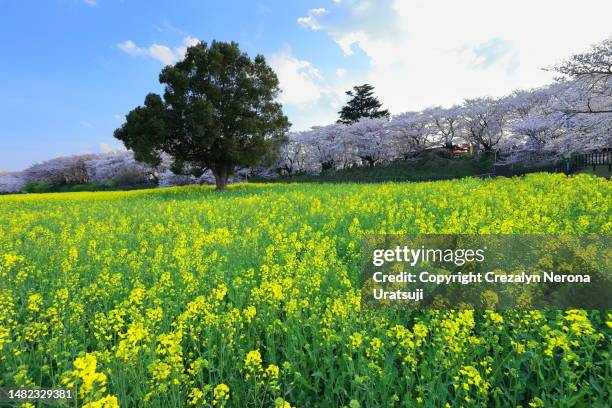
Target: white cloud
[[129, 47], [300, 81], [307, 94], [347, 40], [187, 42], [160, 52], [310, 21], [111, 147], [118, 117], [427, 52], [91, 3], [87, 124], [340, 72]]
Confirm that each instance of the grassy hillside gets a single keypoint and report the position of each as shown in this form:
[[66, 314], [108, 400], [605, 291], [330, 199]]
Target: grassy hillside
[[427, 168], [185, 296]]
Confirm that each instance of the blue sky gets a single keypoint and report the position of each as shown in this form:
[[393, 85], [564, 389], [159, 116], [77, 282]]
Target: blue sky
[[70, 69]]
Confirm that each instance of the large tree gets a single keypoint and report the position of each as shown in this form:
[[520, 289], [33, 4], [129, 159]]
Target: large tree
[[218, 112], [590, 91], [484, 121], [362, 104]]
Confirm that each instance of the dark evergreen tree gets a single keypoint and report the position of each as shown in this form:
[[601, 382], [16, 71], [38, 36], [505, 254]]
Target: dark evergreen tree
[[219, 111], [362, 103]]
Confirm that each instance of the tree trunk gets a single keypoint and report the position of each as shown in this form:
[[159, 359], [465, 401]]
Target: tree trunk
[[221, 174]]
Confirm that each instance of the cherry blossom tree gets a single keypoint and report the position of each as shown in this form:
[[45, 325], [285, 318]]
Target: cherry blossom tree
[[446, 123], [412, 133], [11, 183], [295, 157], [584, 96], [330, 149], [61, 170], [119, 167], [370, 140], [590, 75], [483, 120]]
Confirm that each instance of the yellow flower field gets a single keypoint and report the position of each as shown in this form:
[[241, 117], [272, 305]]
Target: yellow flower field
[[189, 297]]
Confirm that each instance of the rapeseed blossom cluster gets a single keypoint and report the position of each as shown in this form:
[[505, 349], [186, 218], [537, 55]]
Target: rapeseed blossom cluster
[[186, 297], [91, 384]]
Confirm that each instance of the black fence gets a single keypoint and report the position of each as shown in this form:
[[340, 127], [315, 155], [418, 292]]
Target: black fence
[[582, 161], [570, 164]]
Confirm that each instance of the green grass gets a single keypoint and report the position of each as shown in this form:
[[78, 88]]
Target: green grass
[[44, 187]]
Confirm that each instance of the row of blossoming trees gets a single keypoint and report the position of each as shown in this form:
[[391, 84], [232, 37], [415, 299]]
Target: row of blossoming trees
[[118, 168], [574, 114]]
